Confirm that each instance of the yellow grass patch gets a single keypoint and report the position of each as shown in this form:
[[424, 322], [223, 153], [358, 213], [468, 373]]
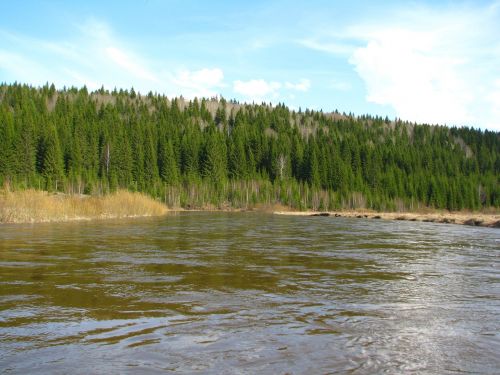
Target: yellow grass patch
[[30, 206]]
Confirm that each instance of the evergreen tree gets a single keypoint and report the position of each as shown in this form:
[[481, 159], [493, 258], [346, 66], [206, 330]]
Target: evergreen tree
[[52, 164], [169, 170], [214, 157]]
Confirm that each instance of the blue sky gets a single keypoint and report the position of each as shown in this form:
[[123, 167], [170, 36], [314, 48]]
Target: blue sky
[[434, 62]]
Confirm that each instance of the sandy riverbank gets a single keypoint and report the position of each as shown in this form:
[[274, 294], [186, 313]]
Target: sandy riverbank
[[464, 218]]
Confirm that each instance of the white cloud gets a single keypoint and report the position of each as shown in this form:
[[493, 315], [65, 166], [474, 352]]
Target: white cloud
[[94, 56], [20, 67], [199, 83], [303, 85], [260, 90], [129, 63], [340, 85], [79, 79], [401, 70], [257, 89], [334, 47], [431, 65]]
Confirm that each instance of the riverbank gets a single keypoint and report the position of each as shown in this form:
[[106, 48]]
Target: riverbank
[[34, 206], [463, 218]]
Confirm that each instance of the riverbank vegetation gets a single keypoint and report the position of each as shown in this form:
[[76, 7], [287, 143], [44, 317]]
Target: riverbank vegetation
[[214, 153], [39, 206]]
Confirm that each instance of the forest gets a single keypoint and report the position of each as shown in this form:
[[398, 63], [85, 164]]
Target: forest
[[213, 153]]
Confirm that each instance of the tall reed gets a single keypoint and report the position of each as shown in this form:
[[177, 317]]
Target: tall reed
[[27, 206]]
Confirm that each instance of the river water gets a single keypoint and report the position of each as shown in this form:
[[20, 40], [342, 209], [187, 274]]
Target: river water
[[249, 293]]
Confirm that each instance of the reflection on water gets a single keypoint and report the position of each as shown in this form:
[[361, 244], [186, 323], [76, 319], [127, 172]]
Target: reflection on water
[[249, 293]]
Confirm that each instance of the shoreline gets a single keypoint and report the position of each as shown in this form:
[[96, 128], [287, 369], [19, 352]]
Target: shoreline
[[35, 206], [479, 219], [460, 218]]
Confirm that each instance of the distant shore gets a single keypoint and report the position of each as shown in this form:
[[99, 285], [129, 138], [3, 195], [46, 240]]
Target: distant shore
[[481, 219], [34, 206], [463, 218]]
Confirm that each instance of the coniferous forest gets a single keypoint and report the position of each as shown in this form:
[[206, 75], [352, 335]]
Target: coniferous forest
[[220, 154]]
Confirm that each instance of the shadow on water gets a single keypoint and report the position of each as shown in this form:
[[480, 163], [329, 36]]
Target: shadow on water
[[218, 292]]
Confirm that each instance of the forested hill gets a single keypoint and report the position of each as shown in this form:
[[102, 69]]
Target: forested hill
[[216, 153]]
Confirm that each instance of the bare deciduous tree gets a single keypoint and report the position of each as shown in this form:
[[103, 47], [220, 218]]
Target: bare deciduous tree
[[281, 163]]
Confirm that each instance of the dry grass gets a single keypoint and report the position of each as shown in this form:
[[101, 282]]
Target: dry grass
[[31, 206]]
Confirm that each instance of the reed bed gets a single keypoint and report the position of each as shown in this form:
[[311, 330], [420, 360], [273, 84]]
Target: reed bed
[[32, 206]]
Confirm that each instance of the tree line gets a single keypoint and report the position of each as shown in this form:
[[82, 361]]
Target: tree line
[[213, 152]]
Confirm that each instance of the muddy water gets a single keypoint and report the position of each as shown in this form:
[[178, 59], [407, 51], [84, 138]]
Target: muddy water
[[249, 293]]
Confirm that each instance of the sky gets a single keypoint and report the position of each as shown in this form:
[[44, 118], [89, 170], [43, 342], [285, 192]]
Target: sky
[[435, 62]]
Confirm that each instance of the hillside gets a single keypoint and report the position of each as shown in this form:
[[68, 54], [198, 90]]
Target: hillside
[[214, 153]]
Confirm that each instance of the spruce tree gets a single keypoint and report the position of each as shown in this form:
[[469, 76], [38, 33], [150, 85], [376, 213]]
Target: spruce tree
[[52, 163], [169, 170]]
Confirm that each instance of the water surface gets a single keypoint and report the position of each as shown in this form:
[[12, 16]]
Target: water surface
[[249, 293]]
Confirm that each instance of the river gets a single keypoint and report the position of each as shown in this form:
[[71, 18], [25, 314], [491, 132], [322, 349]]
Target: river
[[249, 293]]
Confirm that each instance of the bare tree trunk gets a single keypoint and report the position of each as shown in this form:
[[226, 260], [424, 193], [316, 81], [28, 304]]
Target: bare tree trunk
[[281, 165]]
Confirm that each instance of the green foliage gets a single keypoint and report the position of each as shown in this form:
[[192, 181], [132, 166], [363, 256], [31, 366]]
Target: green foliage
[[51, 158], [225, 153], [169, 171]]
